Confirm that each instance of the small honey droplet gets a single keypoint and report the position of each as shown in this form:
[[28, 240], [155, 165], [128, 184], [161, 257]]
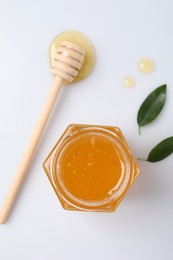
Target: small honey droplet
[[129, 82], [146, 65]]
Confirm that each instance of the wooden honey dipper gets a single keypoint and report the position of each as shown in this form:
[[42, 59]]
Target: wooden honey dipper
[[67, 62]]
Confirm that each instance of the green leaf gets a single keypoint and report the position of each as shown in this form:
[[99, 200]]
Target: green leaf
[[152, 106], [161, 150]]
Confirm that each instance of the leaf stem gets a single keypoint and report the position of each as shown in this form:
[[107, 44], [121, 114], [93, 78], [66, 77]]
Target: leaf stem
[[141, 159], [139, 130]]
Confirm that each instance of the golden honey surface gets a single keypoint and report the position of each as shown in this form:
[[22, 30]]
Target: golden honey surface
[[91, 167]]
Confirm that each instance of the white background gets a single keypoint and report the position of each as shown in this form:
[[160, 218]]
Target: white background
[[122, 32]]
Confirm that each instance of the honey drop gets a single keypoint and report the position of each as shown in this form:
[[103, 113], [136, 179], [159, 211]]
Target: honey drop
[[129, 82], [146, 65]]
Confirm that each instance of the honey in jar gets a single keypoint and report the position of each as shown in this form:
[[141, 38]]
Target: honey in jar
[[91, 168]]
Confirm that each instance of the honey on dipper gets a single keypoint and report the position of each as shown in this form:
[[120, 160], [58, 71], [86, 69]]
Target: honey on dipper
[[67, 59]]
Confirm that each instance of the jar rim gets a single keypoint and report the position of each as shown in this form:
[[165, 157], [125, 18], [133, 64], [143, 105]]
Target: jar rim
[[112, 137]]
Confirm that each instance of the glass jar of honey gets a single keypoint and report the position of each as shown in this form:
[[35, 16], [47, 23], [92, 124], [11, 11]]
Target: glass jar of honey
[[91, 168]]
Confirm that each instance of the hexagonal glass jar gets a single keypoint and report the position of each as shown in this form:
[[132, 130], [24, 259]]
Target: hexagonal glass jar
[[91, 168]]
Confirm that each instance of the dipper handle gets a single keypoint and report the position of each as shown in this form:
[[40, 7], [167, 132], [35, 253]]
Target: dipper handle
[[29, 152]]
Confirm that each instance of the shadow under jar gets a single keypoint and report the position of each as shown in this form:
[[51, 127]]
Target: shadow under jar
[[91, 168]]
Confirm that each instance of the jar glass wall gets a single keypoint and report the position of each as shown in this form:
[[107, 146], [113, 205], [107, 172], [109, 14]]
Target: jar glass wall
[[91, 168]]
